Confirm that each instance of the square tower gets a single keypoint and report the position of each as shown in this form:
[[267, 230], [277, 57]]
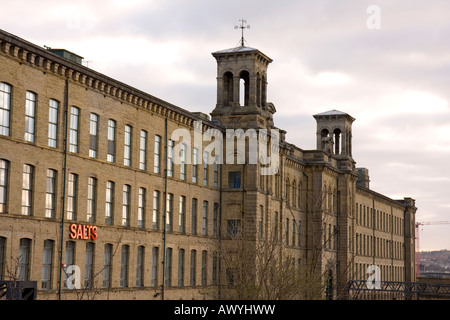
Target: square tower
[[334, 136], [242, 89]]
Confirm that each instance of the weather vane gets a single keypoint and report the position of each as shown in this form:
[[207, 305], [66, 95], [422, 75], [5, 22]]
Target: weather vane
[[243, 26]]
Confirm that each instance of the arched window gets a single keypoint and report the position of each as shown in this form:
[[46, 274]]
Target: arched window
[[244, 86], [300, 187], [287, 190], [324, 135], [263, 91], [258, 90], [294, 194], [227, 88], [337, 141], [277, 184]]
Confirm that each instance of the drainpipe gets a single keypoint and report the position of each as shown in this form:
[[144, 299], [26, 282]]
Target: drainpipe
[[165, 213], [306, 222], [220, 234], [66, 107], [373, 230]]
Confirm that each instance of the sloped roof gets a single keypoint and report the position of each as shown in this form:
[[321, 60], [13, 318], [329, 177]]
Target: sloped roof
[[241, 49], [236, 49], [333, 112]]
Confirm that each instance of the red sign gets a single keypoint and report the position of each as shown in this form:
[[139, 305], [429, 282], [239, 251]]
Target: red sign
[[81, 231]]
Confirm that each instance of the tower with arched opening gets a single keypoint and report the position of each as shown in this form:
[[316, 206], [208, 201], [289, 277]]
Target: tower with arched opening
[[334, 135], [242, 88]]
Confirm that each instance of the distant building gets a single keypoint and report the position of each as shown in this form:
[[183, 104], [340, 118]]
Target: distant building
[[89, 178]]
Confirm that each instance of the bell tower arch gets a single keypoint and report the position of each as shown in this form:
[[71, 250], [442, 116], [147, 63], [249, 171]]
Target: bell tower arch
[[242, 88], [334, 134]]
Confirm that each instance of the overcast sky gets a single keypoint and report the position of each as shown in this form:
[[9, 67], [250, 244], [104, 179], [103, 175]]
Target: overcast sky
[[390, 71]]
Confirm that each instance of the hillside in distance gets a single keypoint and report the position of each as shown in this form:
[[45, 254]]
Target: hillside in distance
[[435, 261]]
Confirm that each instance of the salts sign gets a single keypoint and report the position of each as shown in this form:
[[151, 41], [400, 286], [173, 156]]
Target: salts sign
[[81, 231]]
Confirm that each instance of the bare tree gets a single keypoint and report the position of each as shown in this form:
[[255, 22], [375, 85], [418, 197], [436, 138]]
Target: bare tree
[[92, 286], [265, 268]]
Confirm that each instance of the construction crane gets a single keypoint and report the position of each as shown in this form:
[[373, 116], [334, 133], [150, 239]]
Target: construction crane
[[418, 224]]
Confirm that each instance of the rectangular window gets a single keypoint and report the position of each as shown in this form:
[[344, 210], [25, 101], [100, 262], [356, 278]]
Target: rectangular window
[[234, 179], [205, 168], [72, 196], [107, 266], [233, 228], [126, 205], [155, 253], [194, 165], [293, 232], [73, 130], [93, 135], [4, 167], [276, 226], [170, 158], [157, 158], [183, 162], [182, 215], [111, 141], [50, 194], [69, 259], [30, 112], [143, 150], [91, 199], [287, 231], [181, 268], [47, 259], [169, 212], [215, 219], [127, 146], [168, 271], [204, 257], [155, 218], [89, 265], [205, 218], [27, 189], [141, 208], [2, 257], [124, 266], [194, 216], [214, 268], [109, 206], [23, 269], [260, 222], [193, 272], [53, 109], [140, 267], [5, 107], [216, 173]]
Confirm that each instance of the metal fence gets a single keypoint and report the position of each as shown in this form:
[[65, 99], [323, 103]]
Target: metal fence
[[18, 290], [394, 290]]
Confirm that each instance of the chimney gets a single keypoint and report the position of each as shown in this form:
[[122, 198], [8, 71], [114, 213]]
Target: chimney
[[67, 55], [363, 177]]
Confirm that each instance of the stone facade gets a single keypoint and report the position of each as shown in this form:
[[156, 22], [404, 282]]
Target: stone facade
[[315, 203]]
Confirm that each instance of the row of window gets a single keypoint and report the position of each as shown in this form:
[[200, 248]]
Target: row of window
[[387, 272], [292, 192], [72, 210], [371, 218], [368, 245], [292, 228], [73, 138], [104, 278]]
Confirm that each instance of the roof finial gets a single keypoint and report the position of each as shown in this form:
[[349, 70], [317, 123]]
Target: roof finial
[[242, 27]]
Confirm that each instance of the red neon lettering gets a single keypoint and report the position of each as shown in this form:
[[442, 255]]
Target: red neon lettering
[[73, 231], [81, 231]]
